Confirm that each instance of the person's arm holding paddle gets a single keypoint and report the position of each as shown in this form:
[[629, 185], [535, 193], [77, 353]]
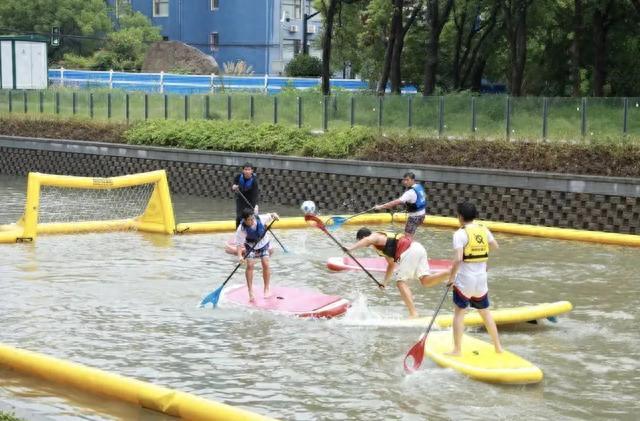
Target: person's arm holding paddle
[[371, 241], [389, 205], [240, 239]]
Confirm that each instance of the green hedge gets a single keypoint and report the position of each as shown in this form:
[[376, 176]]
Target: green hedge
[[242, 136]]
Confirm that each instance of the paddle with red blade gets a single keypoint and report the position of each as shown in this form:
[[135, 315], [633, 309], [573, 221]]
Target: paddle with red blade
[[417, 351], [315, 221]]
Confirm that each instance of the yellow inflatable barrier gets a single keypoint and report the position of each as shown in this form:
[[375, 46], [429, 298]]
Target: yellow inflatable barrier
[[146, 395], [158, 215], [439, 221]]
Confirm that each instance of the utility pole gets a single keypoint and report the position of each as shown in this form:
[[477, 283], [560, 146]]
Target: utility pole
[[305, 19]]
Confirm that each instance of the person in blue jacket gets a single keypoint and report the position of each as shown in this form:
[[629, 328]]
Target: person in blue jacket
[[245, 184], [414, 200]]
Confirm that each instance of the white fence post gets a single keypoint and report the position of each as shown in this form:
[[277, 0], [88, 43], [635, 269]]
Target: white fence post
[[62, 76], [266, 83], [211, 88], [161, 82], [110, 78]]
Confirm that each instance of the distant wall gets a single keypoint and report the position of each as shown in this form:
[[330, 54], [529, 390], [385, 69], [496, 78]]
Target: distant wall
[[559, 200]]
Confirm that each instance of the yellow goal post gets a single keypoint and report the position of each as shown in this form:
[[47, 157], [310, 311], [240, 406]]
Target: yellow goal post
[[60, 204]]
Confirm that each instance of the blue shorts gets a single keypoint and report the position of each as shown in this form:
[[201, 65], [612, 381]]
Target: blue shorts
[[475, 302], [256, 253]]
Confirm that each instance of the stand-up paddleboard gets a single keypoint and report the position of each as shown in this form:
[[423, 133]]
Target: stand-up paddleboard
[[505, 316], [501, 316], [379, 264], [290, 301], [480, 361], [231, 248]]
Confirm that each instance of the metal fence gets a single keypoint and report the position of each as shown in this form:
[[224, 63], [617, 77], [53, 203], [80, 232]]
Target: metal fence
[[194, 84], [489, 117]]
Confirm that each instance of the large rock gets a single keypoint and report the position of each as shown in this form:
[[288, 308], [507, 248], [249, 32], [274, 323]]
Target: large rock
[[178, 57]]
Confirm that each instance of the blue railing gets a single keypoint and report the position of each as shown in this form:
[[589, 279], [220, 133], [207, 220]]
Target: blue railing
[[193, 84]]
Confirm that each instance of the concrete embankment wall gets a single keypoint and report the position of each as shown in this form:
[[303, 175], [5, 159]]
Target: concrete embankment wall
[[608, 204]]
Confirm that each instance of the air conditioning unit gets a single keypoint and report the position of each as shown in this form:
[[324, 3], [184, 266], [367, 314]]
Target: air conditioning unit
[[293, 28], [312, 29]]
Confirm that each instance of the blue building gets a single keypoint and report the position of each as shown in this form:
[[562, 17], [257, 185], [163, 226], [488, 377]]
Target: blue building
[[266, 34]]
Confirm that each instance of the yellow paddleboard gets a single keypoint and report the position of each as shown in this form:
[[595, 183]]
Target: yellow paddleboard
[[480, 361], [504, 316]]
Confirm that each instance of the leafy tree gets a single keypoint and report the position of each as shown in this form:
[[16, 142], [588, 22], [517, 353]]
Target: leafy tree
[[82, 22], [125, 48]]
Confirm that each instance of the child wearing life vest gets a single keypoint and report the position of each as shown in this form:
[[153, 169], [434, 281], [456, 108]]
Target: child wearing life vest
[[414, 200], [406, 261], [471, 245], [253, 243], [245, 186]]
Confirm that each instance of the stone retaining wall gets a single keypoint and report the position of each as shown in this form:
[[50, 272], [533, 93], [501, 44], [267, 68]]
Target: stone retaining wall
[[582, 202]]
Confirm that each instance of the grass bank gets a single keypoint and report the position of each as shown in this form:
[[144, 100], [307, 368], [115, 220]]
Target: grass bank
[[593, 157]]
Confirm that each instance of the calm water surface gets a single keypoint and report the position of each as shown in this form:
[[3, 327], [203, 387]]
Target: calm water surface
[[127, 303]]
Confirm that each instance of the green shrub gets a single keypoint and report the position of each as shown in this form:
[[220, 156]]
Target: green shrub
[[242, 136], [8, 417], [304, 66]]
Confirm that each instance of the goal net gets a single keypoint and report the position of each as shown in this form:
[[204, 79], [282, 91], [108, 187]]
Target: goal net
[[68, 204]]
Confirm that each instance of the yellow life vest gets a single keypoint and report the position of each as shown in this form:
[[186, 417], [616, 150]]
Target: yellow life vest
[[477, 248]]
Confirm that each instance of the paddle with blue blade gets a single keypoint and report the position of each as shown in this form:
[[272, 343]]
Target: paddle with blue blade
[[336, 222], [214, 297], [417, 351], [315, 221], [274, 236]]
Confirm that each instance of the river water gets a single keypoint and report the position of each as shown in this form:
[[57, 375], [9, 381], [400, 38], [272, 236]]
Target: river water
[[126, 303]]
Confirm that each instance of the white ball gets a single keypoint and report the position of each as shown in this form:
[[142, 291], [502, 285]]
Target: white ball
[[308, 207]]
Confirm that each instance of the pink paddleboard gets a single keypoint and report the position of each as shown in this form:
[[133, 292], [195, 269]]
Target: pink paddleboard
[[231, 248], [379, 264], [291, 301]]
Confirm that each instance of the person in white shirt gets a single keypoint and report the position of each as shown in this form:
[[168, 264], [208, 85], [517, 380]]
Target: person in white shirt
[[253, 243], [471, 245], [414, 200]]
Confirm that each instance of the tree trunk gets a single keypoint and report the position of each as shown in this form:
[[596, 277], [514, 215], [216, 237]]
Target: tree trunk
[[600, 29], [431, 64], [476, 74], [396, 25], [435, 23], [326, 46], [396, 65], [576, 59], [459, 22], [516, 25]]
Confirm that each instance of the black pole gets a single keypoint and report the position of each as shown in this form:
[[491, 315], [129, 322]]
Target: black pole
[[305, 19]]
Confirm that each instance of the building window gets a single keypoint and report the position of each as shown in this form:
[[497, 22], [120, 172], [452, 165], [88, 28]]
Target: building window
[[215, 5], [292, 9], [160, 8], [214, 41], [297, 8], [297, 46]]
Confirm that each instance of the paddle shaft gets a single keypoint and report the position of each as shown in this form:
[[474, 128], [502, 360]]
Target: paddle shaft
[[433, 318], [361, 213], [274, 236], [247, 253], [321, 225]]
